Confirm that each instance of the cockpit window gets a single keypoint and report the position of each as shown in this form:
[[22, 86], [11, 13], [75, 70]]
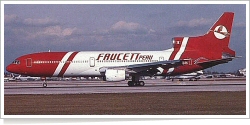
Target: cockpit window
[[16, 62]]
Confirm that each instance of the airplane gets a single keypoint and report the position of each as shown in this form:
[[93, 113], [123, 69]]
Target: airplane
[[188, 54], [194, 76]]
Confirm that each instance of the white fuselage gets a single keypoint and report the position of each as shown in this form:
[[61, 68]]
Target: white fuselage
[[89, 63]]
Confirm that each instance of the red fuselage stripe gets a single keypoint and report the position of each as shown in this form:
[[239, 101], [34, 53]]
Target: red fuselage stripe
[[66, 65]]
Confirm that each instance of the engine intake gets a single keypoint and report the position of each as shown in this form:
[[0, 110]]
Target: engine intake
[[115, 75]]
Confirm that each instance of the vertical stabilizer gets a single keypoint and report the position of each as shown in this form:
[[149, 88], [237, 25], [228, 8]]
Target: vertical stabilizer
[[214, 45], [222, 29]]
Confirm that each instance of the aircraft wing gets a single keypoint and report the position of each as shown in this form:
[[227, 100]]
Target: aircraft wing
[[150, 68]]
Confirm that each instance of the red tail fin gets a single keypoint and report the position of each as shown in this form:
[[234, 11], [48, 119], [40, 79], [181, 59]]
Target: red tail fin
[[220, 34], [222, 29], [214, 44], [208, 50]]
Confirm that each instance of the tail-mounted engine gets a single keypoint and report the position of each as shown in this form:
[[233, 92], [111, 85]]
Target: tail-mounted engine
[[177, 41]]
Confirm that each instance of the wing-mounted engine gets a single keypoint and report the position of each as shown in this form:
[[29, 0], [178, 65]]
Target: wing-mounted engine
[[115, 75]]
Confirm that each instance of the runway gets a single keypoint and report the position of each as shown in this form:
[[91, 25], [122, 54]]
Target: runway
[[157, 97], [88, 87]]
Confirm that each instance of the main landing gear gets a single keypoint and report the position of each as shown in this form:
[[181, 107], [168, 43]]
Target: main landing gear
[[135, 81]]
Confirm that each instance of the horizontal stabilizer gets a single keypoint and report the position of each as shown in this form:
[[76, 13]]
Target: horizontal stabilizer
[[216, 62]]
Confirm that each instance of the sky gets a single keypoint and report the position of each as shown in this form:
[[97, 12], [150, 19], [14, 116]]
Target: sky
[[30, 28]]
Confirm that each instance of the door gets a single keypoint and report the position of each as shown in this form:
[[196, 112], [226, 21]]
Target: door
[[92, 62], [161, 58], [29, 62]]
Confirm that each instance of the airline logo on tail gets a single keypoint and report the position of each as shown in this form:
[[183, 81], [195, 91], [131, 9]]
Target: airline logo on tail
[[221, 32]]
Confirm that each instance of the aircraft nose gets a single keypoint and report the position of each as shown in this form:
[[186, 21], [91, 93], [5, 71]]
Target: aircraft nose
[[11, 68], [8, 68]]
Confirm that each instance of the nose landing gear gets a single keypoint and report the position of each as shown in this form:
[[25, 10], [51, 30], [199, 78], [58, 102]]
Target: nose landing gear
[[44, 82]]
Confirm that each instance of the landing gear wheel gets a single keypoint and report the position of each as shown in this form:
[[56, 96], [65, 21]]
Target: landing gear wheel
[[45, 85], [45, 82], [132, 83], [141, 83], [135, 81]]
